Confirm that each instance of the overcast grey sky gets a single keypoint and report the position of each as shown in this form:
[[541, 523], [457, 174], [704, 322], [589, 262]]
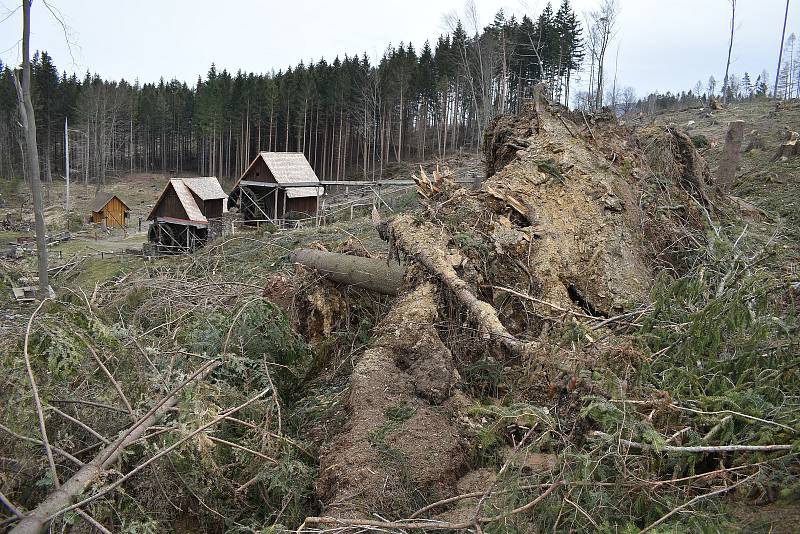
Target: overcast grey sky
[[663, 44]]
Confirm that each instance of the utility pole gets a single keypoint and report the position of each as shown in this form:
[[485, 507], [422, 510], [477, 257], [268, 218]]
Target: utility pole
[[66, 164], [780, 54]]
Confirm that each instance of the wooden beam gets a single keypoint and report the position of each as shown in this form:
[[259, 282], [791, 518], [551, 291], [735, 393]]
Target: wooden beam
[[254, 201]]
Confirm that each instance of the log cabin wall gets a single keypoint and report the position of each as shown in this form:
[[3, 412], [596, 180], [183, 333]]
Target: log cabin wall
[[114, 213], [306, 205], [213, 208]]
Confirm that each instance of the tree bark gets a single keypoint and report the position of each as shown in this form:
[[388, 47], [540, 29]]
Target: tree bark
[[28, 120], [419, 243], [375, 275], [730, 156]]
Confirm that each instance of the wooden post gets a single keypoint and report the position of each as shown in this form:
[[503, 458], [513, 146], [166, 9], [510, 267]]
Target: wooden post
[[275, 213]]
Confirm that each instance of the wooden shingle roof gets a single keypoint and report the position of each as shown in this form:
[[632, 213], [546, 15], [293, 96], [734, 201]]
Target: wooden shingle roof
[[101, 199], [289, 168], [187, 201], [206, 188]]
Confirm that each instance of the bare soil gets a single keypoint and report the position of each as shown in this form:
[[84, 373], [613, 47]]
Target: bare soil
[[399, 447]]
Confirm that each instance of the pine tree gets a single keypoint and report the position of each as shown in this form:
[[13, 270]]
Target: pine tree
[[571, 52], [747, 86]]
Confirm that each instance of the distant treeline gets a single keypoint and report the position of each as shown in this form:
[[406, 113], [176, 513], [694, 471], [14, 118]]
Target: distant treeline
[[350, 116], [738, 90]]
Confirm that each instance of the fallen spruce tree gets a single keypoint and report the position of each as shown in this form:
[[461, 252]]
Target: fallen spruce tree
[[581, 344], [564, 238], [139, 415]]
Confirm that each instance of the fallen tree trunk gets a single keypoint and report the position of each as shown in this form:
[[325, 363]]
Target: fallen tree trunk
[[36, 521], [400, 391], [375, 275]]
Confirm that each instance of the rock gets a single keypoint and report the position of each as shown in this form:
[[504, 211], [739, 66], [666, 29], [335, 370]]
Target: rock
[[612, 202]]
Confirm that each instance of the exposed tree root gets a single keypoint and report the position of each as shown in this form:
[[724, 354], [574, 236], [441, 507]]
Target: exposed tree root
[[401, 392], [420, 242]]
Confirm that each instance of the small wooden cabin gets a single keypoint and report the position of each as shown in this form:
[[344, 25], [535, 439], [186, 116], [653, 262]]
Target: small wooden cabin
[[183, 215], [110, 208], [277, 186]]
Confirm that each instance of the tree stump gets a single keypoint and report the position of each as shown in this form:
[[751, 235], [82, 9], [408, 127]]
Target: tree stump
[[730, 156]]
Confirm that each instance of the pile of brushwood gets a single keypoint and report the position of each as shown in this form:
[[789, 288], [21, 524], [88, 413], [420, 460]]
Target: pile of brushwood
[[173, 398], [594, 340]]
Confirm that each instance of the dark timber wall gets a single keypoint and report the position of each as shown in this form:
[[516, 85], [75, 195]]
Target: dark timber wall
[[307, 205], [266, 197], [170, 205]]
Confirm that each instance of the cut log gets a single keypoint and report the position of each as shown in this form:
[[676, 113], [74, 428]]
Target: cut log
[[375, 275], [730, 156]]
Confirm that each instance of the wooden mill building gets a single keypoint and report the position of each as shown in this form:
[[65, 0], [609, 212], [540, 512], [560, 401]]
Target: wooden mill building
[[109, 208], [277, 186], [184, 216]]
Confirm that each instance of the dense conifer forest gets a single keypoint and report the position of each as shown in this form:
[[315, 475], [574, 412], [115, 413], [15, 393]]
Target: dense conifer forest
[[350, 116]]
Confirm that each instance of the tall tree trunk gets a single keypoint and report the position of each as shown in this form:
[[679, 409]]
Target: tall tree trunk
[[780, 54], [400, 133], [288, 111], [339, 147], [305, 124], [730, 49], [28, 120]]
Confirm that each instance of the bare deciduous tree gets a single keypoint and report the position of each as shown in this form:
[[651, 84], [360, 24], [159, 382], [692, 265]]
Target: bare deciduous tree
[[28, 121], [629, 99], [601, 32]]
